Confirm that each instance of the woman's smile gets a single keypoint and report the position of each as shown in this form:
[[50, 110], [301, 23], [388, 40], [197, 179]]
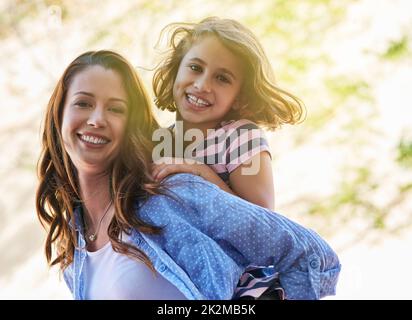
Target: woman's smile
[[93, 140]]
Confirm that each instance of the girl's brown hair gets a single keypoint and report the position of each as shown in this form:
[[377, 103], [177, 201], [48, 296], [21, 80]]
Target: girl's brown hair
[[263, 102], [58, 191]]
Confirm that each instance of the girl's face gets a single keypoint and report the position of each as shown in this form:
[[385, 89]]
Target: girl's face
[[94, 118], [207, 84]]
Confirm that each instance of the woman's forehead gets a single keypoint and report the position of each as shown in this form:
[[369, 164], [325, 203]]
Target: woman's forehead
[[98, 81]]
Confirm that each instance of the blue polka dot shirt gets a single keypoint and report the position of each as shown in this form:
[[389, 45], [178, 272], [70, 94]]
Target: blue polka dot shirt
[[209, 238]]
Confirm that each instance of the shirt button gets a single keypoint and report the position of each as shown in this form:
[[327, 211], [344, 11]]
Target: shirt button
[[314, 264], [162, 268]]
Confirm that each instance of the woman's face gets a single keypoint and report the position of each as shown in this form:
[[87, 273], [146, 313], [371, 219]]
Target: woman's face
[[94, 118]]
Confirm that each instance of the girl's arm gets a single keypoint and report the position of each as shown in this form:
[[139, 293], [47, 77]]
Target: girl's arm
[[250, 174], [253, 181]]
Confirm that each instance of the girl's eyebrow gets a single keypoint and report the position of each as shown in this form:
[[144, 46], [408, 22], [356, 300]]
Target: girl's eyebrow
[[224, 70], [92, 95]]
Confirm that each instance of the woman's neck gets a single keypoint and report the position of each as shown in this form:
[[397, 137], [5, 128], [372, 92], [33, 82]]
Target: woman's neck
[[95, 193]]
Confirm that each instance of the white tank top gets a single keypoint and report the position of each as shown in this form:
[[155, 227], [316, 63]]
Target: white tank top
[[113, 276]]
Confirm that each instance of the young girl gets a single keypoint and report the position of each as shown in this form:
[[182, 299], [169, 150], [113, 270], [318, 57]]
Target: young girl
[[217, 76]]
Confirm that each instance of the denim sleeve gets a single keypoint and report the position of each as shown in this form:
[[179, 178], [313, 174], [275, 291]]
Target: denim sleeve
[[68, 277], [308, 267]]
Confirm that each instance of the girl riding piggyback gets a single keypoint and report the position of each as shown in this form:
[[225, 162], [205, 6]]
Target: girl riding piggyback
[[217, 76], [218, 79]]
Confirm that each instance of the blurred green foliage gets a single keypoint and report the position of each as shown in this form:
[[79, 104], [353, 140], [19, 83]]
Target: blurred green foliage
[[397, 49], [405, 153], [345, 87], [294, 35]]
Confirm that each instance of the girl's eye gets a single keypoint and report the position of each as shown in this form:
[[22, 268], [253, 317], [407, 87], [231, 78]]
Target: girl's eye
[[223, 79], [195, 67]]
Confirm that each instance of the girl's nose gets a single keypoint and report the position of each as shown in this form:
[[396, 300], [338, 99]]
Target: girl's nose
[[97, 118], [203, 84]]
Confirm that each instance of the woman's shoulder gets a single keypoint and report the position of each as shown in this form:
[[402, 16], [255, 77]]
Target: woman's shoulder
[[189, 188], [183, 191], [183, 186], [185, 181]]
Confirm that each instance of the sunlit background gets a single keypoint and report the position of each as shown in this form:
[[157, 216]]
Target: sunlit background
[[346, 171]]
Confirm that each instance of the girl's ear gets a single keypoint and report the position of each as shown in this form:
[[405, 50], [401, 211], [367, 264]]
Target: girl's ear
[[235, 106], [238, 104]]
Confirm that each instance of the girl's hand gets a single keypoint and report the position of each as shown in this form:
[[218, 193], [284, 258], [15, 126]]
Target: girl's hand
[[166, 166]]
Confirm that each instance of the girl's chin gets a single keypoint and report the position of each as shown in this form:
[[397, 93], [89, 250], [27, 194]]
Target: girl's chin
[[191, 115]]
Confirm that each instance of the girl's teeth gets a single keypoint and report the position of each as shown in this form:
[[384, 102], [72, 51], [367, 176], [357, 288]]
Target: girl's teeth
[[197, 101]]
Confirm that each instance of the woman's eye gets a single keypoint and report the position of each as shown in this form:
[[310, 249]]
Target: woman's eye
[[223, 79], [82, 104], [195, 67]]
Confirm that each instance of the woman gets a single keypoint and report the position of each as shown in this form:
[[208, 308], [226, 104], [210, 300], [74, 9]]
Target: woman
[[119, 235]]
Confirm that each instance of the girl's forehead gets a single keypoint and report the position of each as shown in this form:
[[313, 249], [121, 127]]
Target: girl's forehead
[[211, 51]]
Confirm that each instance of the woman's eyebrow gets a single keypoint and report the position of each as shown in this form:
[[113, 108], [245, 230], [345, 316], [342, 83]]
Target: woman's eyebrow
[[84, 93], [92, 95]]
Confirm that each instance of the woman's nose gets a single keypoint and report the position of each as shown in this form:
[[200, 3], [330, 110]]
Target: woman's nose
[[97, 118]]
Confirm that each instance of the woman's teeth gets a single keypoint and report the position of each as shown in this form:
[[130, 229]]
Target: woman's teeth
[[93, 140]]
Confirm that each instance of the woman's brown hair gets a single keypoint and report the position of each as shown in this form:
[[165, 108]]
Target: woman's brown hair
[[263, 101], [58, 191]]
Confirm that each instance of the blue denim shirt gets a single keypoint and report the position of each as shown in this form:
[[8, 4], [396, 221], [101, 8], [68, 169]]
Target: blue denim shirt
[[209, 238]]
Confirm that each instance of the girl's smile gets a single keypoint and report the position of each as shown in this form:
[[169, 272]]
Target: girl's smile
[[197, 101]]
